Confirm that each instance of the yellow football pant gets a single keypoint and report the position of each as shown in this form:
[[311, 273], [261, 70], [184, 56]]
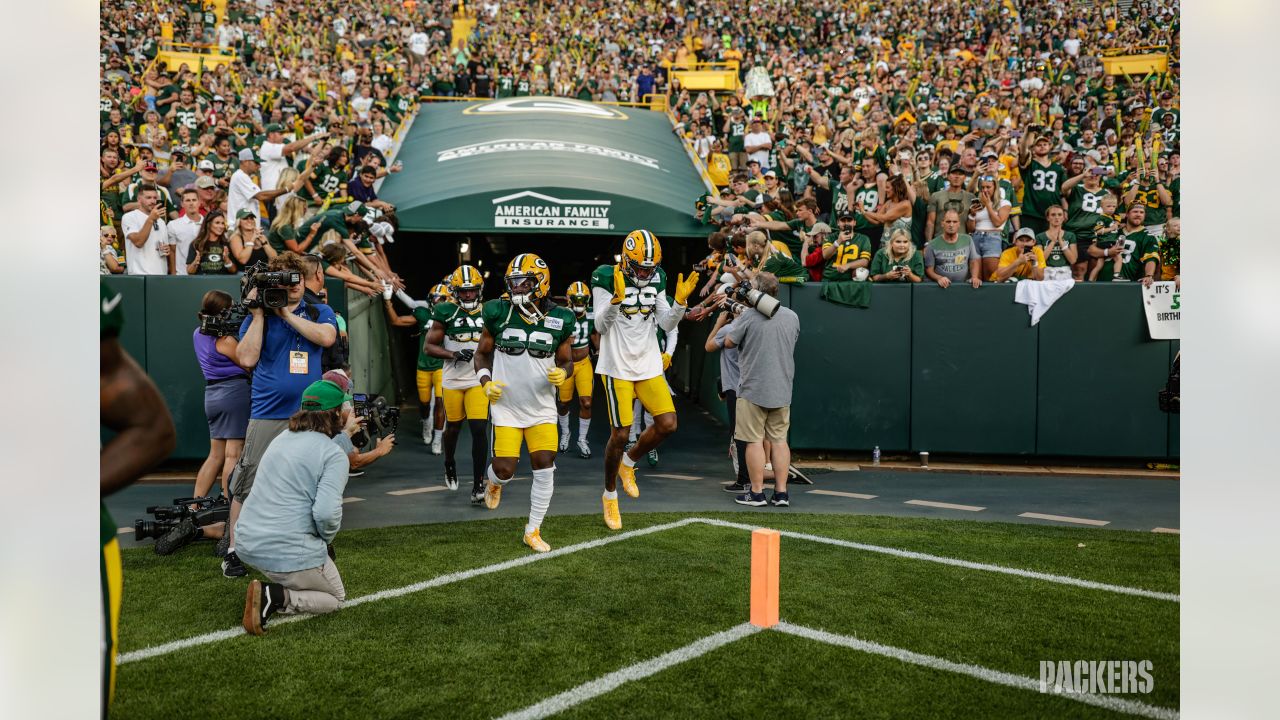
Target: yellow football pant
[[472, 400], [654, 395], [580, 380], [429, 380], [506, 440]]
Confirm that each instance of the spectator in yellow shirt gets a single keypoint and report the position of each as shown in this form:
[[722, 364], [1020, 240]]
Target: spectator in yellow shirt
[[1025, 260]]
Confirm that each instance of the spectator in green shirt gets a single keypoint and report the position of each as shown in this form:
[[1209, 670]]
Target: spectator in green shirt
[[898, 260], [767, 258]]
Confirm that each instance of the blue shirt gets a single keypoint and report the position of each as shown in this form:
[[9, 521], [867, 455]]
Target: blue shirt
[[277, 393]]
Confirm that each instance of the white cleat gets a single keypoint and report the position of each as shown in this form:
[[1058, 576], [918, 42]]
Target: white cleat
[[437, 444]]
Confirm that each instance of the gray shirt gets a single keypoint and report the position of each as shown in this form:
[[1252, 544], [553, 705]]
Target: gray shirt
[[766, 356], [950, 259], [728, 360], [295, 508]]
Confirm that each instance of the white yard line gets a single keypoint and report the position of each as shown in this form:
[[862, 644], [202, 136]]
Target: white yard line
[[944, 505], [166, 648], [416, 491], [346, 500], [1172, 531], [839, 493], [911, 554], [1110, 702], [1065, 519], [608, 683], [673, 476]]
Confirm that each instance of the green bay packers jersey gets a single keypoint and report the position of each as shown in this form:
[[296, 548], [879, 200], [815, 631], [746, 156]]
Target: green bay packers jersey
[[524, 351], [628, 330], [425, 361], [462, 331], [582, 329]]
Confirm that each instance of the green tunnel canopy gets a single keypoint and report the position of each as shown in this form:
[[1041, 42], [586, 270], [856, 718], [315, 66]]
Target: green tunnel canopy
[[542, 164]]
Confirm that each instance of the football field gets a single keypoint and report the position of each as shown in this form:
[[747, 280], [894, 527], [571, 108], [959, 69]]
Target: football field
[[881, 617]]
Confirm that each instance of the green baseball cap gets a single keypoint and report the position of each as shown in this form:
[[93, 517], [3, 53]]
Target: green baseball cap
[[274, 127], [323, 395]]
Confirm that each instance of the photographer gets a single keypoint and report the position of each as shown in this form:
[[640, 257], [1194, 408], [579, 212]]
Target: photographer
[[766, 362], [729, 375], [283, 347], [285, 528]]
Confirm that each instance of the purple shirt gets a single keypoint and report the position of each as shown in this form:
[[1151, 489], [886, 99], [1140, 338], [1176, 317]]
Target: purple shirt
[[214, 364]]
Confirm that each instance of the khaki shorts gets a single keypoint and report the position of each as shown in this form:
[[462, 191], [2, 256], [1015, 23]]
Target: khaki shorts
[[756, 423]]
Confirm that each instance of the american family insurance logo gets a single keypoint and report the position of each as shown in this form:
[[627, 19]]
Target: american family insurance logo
[[527, 145], [1096, 677], [529, 209]]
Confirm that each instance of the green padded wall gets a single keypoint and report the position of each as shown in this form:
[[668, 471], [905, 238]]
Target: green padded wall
[[1175, 427], [133, 336], [1099, 375], [853, 372], [973, 371]]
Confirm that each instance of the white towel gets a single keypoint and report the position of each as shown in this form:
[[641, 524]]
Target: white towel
[[1040, 296]]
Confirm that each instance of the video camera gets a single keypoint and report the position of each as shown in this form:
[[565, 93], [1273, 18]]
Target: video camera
[[208, 511], [224, 323], [272, 285], [382, 419]]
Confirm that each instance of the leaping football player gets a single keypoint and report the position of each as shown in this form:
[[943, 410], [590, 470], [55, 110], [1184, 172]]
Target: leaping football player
[[533, 340], [631, 303], [453, 337]]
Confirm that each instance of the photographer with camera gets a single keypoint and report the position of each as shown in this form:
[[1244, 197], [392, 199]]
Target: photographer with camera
[[766, 340], [286, 526], [282, 341]]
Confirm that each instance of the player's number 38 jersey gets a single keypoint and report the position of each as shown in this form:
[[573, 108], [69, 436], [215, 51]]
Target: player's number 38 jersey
[[523, 353], [628, 337]]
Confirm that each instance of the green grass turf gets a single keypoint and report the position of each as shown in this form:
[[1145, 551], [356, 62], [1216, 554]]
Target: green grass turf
[[503, 641]]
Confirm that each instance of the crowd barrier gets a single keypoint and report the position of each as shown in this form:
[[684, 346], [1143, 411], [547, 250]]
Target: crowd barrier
[[160, 315], [963, 371]]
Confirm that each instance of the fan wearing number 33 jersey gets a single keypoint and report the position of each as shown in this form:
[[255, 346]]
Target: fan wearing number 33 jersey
[[525, 353], [630, 306]]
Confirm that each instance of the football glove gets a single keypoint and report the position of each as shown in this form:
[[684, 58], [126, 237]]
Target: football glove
[[493, 389], [685, 287], [463, 355], [666, 360], [619, 286], [556, 375]]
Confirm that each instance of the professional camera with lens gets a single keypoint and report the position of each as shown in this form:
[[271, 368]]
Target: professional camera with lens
[[381, 418], [272, 285], [206, 511], [224, 323], [763, 303]]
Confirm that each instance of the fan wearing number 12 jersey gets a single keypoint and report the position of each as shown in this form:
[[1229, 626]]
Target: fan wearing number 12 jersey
[[630, 305]]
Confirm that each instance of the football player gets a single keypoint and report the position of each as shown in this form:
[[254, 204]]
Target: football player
[[430, 372], [532, 338], [584, 341], [667, 345], [454, 335], [631, 304]]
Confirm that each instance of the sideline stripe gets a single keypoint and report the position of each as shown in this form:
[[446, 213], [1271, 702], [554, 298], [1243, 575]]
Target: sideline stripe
[[608, 683], [944, 505], [1109, 702], [166, 648], [673, 476], [911, 554], [415, 491], [1065, 519], [839, 493], [1174, 531]]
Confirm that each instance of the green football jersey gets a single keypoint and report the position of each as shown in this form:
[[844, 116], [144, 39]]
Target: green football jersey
[[1056, 258], [525, 352], [514, 334], [459, 325], [583, 327], [222, 168], [859, 248], [425, 361], [737, 136], [1149, 197], [1041, 187], [603, 278], [1139, 247], [866, 198], [1084, 211], [187, 116]]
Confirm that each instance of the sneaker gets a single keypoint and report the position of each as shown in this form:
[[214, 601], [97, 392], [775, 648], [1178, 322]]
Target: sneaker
[[564, 443], [652, 455], [261, 601], [232, 567], [752, 499], [180, 536], [780, 499], [628, 477], [612, 518], [584, 449], [492, 495], [535, 541], [437, 444], [477, 494], [220, 550], [451, 478], [426, 434], [737, 488]]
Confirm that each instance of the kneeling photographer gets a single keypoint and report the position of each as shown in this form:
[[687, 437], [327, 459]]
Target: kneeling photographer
[[281, 340], [295, 511], [765, 334]]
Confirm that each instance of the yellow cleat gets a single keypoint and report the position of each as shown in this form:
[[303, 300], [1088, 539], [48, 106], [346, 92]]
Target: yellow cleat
[[628, 477], [492, 495], [612, 517], [535, 541]]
